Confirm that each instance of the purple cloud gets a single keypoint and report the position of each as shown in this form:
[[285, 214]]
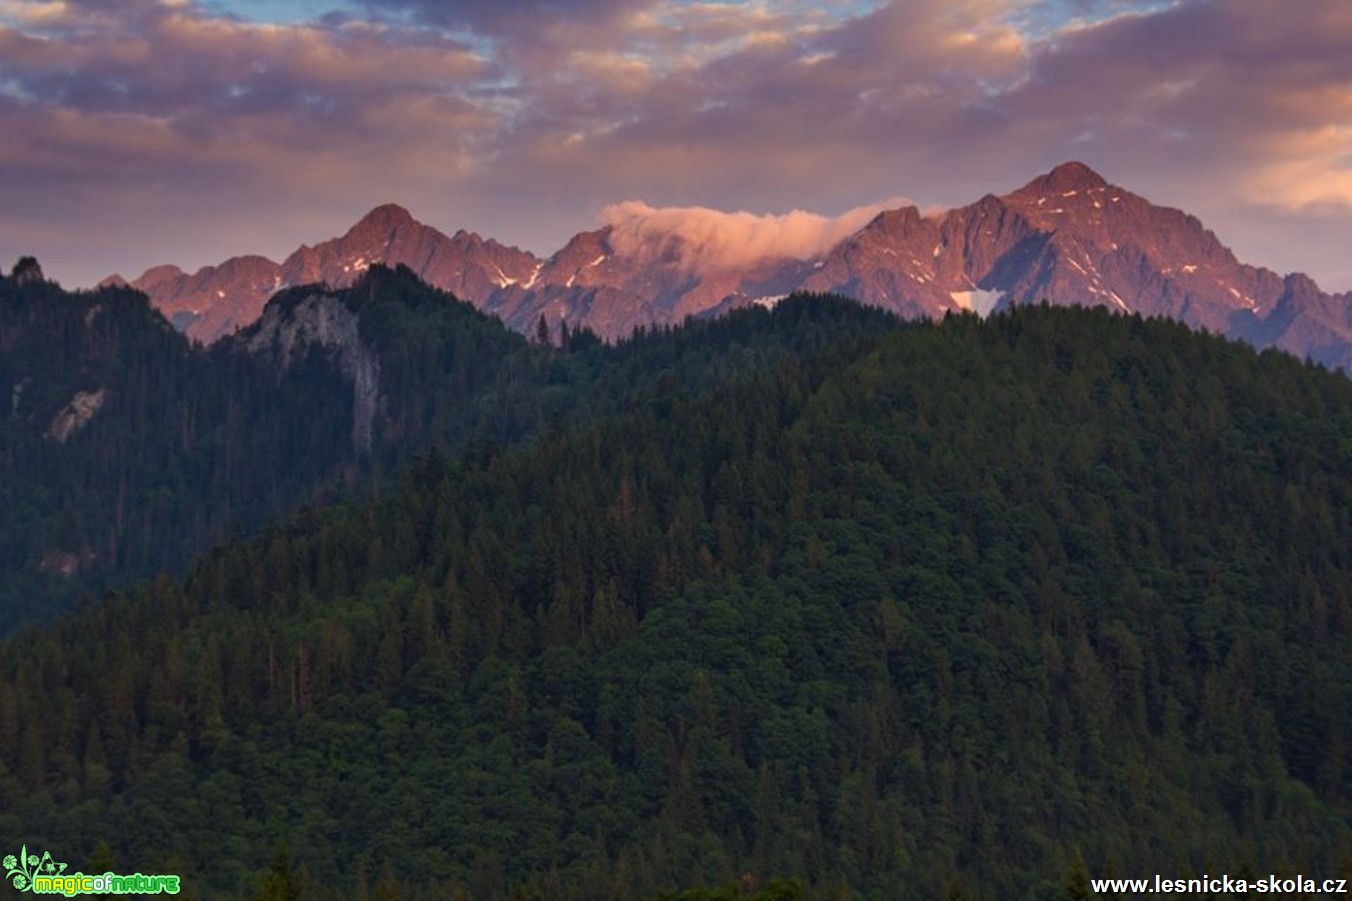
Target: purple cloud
[[213, 135]]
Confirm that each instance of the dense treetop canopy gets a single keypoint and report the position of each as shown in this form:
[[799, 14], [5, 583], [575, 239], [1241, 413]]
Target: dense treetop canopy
[[798, 601]]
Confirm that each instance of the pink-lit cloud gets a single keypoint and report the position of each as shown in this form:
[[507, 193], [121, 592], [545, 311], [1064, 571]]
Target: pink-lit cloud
[[710, 240]]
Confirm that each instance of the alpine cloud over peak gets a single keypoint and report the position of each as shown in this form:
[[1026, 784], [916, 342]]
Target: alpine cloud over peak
[[712, 240]]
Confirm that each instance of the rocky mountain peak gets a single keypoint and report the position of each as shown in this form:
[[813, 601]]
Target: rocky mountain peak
[[384, 219], [1071, 176], [1069, 186], [157, 277], [468, 240], [1068, 237]]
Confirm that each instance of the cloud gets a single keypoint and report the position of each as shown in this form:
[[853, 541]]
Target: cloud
[[1258, 101], [712, 240], [488, 14], [1310, 169], [219, 82], [521, 119]]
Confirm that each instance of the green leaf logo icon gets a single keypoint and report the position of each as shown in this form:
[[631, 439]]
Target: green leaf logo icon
[[21, 870]]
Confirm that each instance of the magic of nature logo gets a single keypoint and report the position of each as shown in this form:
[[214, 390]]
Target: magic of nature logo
[[43, 875]]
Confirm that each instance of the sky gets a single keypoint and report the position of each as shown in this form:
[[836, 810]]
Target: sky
[[139, 132]]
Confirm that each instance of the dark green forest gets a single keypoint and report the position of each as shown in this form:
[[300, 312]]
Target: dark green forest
[[802, 603], [193, 446]]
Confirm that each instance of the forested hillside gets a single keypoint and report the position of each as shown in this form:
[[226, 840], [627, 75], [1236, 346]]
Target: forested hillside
[[905, 612], [185, 445], [125, 451]]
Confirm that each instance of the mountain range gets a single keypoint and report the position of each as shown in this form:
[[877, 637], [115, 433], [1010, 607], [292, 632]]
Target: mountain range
[[1067, 237], [800, 601]]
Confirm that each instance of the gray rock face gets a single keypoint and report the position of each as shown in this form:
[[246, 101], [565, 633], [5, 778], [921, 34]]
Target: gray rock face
[[74, 415], [322, 320]]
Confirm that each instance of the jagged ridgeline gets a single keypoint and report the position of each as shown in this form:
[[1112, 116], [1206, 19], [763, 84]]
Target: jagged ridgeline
[[126, 451], [935, 612]]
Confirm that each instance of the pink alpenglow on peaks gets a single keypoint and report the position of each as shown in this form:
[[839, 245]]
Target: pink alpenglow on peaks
[[1068, 236]]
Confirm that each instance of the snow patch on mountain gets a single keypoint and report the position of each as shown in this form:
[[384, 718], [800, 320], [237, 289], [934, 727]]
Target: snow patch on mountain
[[976, 300], [535, 274]]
